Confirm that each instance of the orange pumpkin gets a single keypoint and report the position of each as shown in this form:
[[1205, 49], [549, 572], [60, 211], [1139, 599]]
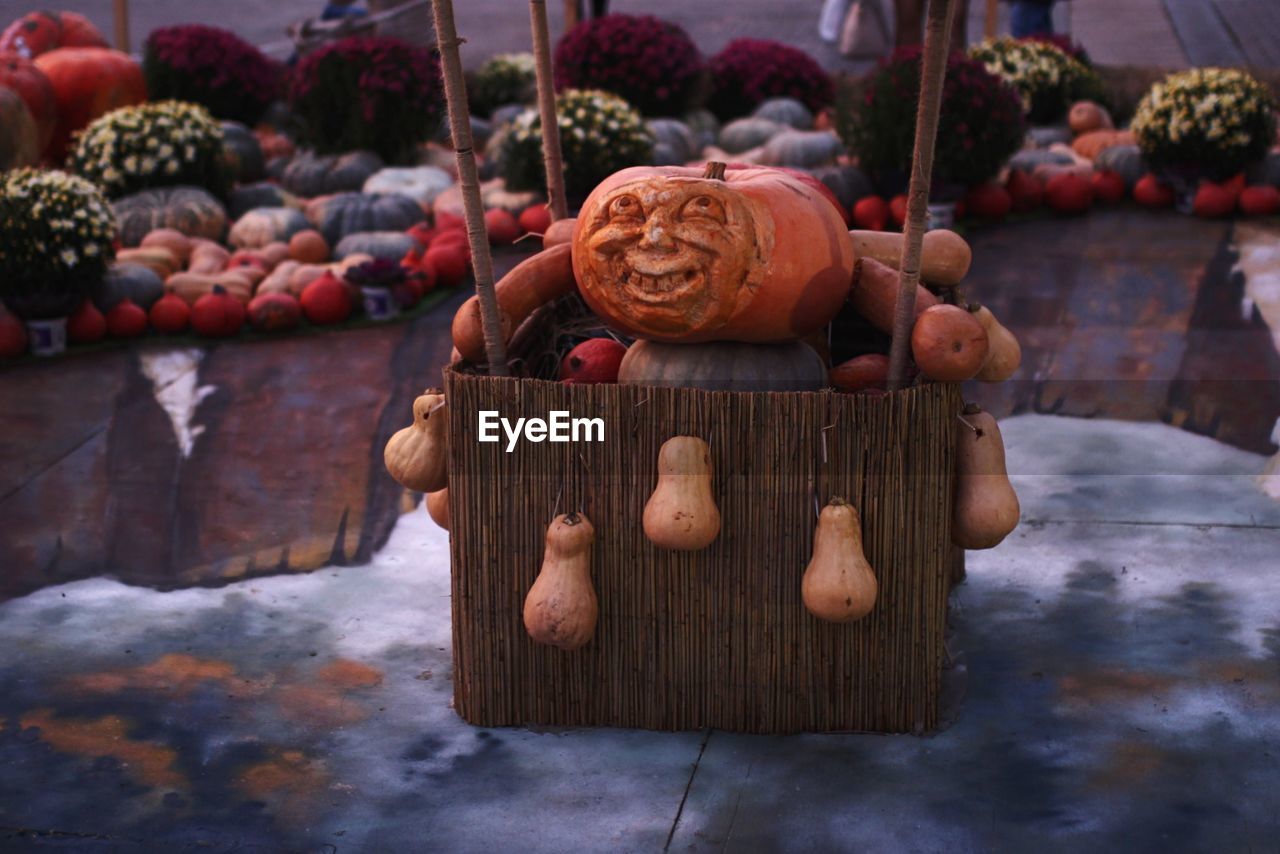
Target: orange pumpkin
[[88, 82], [22, 76], [170, 314], [678, 254], [126, 320], [19, 134], [1092, 143], [217, 314], [40, 32]]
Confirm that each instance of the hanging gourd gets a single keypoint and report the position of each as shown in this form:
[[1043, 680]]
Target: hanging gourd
[[986, 507], [839, 585], [1004, 354], [438, 507], [682, 514], [418, 456], [561, 607]]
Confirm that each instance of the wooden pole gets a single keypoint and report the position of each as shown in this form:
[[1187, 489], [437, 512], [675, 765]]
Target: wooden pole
[[937, 39], [122, 25], [992, 22], [570, 14], [551, 158], [455, 91]]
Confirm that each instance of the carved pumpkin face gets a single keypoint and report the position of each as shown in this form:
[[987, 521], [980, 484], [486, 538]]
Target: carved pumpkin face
[[670, 255]]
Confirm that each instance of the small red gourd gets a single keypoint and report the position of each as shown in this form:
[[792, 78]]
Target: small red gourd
[[988, 201], [170, 314], [1068, 193], [126, 320], [501, 226], [898, 209], [870, 371], [217, 314], [1214, 200], [596, 360], [1259, 200], [449, 262], [13, 336], [1108, 186], [949, 344], [86, 325], [326, 300], [274, 312], [1025, 190], [535, 219], [871, 213], [1150, 193]]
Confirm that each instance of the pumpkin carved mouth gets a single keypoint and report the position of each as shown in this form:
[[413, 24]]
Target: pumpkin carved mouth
[[679, 287]]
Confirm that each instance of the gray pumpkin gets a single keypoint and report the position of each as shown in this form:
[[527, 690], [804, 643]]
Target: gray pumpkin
[[128, 281], [744, 134], [724, 366], [704, 125], [1029, 159], [785, 111], [1046, 135], [802, 149], [191, 210], [849, 183], [506, 114], [1124, 159], [420, 183], [311, 176], [352, 213], [246, 197], [391, 245], [242, 153], [674, 142], [261, 226]]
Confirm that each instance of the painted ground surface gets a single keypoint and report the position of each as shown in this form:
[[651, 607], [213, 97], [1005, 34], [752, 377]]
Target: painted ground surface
[[1116, 686]]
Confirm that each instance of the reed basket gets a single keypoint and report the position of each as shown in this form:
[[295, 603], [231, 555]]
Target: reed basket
[[716, 638]]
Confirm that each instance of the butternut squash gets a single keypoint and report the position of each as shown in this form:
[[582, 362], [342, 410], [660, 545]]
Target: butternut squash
[[839, 585], [207, 257], [418, 456], [559, 233], [173, 240], [192, 286], [874, 294], [986, 507], [561, 607], [533, 282], [438, 507], [944, 257], [159, 260], [277, 281], [1004, 354], [681, 513]]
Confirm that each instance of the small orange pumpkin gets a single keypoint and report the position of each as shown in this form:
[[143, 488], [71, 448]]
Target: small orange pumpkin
[[170, 314], [217, 314], [679, 254]]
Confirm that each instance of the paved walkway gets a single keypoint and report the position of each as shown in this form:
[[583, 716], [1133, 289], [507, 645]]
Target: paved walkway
[[1161, 33]]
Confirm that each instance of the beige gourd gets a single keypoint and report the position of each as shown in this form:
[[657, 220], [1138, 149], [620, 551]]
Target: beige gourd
[[418, 456], [986, 507], [561, 607], [839, 585], [682, 513], [1004, 354], [438, 507]]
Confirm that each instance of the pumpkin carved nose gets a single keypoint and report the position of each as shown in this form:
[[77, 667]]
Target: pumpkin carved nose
[[657, 235]]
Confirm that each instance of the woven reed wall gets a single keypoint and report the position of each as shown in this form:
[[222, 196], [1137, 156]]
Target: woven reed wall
[[718, 638]]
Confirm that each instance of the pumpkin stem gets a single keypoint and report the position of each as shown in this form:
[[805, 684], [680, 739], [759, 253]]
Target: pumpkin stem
[[973, 307], [714, 171], [836, 501], [972, 409]]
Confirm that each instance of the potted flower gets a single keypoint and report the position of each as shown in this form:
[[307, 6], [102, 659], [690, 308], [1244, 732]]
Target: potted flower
[[378, 281], [56, 240], [1048, 79], [979, 127], [1204, 124]]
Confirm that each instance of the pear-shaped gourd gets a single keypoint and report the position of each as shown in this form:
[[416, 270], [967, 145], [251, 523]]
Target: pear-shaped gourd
[[986, 507], [682, 513], [418, 456], [839, 585], [1004, 354], [438, 507], [561, 608]]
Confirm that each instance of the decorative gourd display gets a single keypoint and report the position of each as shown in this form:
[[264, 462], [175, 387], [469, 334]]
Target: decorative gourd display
[[351, 213], [561, 608], [242, 153], [681, 513], [134, 282], [724, 366], [310, 176], [21, 75], [19, 137], [266, 225], [1004, 354], [88, 82], [949, 344], [986, 508], [418, 456], [839, 585], [189, 210], [685, 255], [438, 507]]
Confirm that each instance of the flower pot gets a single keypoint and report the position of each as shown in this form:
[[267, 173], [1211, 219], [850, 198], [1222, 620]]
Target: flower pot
[[380, 303], [47, 337]]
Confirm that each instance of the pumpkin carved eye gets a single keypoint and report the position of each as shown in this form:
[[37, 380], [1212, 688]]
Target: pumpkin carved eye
[[625, 208], [703, 207]]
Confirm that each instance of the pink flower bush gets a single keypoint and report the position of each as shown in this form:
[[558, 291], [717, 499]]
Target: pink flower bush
[[749, 71], [212, 67]]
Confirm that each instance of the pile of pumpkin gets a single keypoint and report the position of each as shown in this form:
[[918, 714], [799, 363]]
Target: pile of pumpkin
[[729, 280]]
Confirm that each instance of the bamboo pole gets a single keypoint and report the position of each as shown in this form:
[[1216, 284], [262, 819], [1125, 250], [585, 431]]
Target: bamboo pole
[[992, 22], [551, 157], [122, 25], [570, 14], [455, 91], [937, 39]]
